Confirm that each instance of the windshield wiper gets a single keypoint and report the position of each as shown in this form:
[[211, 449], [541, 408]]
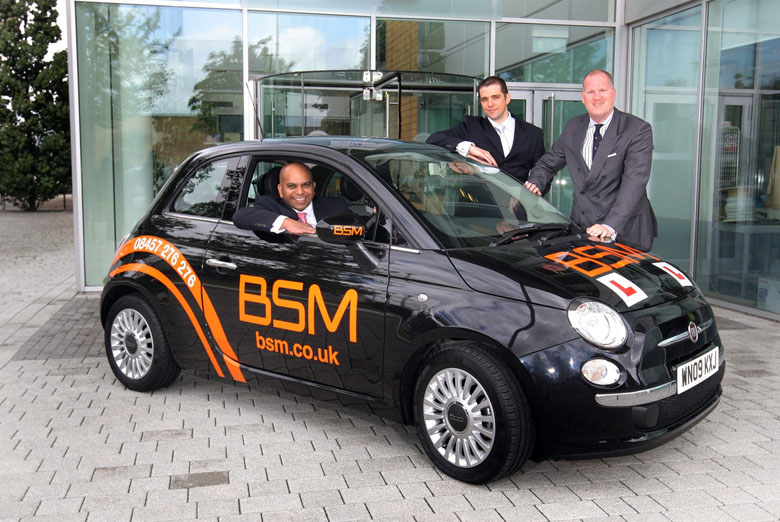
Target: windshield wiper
[[528, 229]]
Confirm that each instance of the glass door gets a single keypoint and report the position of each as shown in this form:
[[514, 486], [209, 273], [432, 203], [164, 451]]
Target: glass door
[[552, 109]]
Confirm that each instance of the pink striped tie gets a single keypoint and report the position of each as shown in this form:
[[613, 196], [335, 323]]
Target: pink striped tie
[[302, 216]]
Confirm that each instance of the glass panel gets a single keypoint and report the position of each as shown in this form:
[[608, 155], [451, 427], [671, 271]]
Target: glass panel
[[298, 42], [518, 109], [433, 46], [155, 84], [203, 194], [555, 114], [592, 10], [666, 58], [342, 103], [739, 243], [552, 53]]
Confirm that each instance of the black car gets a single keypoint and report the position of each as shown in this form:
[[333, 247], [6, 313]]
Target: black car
[[449, 291]]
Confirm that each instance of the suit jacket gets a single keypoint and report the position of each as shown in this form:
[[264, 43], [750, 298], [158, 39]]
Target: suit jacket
[[527, 146], [267, 208], [613, 191]]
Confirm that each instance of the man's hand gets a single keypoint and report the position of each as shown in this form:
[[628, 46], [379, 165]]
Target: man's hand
[[599, 232], [481, 155], [297, 227], [533, 188]]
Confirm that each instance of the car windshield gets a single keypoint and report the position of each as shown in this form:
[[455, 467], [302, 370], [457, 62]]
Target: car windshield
[[464, 203]]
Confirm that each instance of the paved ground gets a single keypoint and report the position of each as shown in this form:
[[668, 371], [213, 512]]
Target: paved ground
[[76, 446]]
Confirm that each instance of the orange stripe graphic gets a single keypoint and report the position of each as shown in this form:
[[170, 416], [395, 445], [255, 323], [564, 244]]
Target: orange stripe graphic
[[168, 252], [153, 272]]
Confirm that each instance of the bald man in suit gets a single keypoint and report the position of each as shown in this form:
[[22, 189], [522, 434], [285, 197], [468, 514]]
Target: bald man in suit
[[295, 210], [610, 178]]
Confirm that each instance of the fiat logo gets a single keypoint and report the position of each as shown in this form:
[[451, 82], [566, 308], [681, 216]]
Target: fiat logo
[[693, 332]]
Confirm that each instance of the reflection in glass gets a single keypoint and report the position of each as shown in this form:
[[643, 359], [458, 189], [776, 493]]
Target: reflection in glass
[[739, 242], [666, 56], [138, 68], [343, 103], [306, 42], [433, 46], [552, 53], [592, 10]]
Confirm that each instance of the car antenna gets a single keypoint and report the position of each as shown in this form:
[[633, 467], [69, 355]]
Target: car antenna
[[254, 107]]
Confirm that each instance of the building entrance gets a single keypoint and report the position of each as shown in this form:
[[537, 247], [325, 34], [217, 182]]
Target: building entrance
[[385, 104], [549, 110]]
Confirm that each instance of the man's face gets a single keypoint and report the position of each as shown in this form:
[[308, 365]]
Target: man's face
[[296, 186], [494, 102], [598, 96]]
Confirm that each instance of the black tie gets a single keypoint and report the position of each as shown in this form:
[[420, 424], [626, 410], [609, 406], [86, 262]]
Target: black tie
[[597, 138]]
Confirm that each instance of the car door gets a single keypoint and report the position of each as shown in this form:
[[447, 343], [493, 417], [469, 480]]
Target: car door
[[174, 243], [296, 306]]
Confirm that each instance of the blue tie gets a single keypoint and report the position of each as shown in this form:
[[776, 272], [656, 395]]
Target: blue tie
[[597, 138]]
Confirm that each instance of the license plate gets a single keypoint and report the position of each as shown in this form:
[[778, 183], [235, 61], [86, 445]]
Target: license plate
[[696, 371]]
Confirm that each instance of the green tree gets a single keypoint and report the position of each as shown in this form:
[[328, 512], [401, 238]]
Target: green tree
[[34, 112]]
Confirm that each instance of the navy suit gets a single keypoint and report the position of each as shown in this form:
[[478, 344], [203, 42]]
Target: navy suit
[[527, 144], [267, 208], [613, 191]]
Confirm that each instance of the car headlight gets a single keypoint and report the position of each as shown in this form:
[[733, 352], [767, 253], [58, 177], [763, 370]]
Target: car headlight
[[601, 372], [597, 323]]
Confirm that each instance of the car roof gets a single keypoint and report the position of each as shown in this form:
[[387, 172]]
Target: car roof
[[348, 145]]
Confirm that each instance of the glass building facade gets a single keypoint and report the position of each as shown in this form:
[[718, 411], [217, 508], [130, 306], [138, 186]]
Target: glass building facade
[[153, 82]]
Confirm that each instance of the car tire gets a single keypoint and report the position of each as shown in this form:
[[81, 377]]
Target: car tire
[[472, 416], [136, 345]]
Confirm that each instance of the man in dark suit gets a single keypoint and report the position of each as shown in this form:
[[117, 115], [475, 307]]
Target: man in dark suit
[[296, 209], [500, 140], [608, 153]]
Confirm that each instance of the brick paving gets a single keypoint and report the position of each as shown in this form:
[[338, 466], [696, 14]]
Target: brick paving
[[77, 446]]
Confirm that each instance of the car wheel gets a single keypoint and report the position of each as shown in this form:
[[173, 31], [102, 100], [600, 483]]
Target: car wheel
[[136, 345], [472, 416]]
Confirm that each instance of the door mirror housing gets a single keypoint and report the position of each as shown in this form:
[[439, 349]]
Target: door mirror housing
[[341, 229], [347, 229]]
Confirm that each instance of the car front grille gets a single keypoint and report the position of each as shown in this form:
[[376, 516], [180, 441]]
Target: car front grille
[[678, 407]]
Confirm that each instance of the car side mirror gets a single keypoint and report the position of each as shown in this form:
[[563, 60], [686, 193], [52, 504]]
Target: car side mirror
[[348, 230]]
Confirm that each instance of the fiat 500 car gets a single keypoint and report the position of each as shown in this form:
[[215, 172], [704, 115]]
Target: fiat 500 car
[[449, 291]]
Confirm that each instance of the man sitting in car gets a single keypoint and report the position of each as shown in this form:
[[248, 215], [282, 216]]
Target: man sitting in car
[[296, 210]]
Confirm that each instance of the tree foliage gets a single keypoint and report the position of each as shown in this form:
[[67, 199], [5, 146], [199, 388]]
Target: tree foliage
[[34, 112]]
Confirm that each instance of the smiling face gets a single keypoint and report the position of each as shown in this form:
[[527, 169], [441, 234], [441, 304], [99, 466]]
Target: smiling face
[[494, 102], [598, 95], [296, 185]]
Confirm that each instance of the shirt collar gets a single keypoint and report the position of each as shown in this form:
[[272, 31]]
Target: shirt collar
[[604, 123], [508, 123]]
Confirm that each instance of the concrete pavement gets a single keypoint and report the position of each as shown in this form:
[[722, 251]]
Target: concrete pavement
[[76, 446]]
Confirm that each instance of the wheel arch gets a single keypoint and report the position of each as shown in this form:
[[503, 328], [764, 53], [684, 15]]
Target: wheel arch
[[414, 366]]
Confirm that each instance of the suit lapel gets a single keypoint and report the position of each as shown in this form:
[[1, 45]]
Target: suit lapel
[[495, 141], [576, 140]]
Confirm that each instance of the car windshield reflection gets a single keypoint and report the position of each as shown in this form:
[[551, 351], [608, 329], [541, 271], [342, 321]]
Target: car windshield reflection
[[464, 203]]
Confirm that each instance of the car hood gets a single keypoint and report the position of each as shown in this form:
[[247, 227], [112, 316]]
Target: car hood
[[554, 274]]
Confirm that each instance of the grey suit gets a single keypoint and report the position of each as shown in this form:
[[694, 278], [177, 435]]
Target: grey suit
[[613, 190]]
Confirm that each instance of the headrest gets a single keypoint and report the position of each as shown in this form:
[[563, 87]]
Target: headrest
[[350, 190], [270, 181]]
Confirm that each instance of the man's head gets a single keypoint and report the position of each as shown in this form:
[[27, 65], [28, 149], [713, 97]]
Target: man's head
[[598, 94], [494, 98], [296, 185]]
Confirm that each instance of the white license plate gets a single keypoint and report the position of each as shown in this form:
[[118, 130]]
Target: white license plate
[[696, 371]]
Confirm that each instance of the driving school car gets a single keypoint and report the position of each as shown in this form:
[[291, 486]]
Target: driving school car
[[449, 291]]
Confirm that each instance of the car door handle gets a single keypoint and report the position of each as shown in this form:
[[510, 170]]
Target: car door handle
[[221, 264]]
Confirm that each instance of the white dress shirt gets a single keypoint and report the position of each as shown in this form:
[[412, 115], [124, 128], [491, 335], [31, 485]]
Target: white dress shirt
[[310, 219], [587, 147], [506, 133]]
